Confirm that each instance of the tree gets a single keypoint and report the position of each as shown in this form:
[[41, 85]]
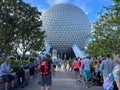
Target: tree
[[20, 26], [29, 33], [7, 26], [106, 32]]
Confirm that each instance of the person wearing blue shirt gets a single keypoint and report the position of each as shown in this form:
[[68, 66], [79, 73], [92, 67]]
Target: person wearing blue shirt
[[6, 73]]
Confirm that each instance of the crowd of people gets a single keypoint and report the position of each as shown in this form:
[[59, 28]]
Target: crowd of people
[[96, 71], [45, 70]]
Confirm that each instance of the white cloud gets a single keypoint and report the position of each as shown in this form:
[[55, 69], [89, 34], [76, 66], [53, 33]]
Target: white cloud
[[83, 5], [84, 8], [52, 2], [89, 11], [41, 10], [41, 7]]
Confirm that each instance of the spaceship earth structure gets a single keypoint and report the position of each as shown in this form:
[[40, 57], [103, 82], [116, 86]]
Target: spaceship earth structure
[[65, 25]]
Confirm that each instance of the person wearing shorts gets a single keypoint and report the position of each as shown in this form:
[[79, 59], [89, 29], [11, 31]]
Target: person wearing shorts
[[46, 79], [87, 70], [76, 67], [87, 74], [6, 73]]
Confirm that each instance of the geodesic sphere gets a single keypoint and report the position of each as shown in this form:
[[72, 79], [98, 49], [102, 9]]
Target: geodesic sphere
[[65, 25]]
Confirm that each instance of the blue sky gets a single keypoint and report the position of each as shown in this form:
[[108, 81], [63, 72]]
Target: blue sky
[[90, 7]]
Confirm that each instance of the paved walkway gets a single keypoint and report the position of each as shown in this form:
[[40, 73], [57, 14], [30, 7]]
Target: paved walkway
[[63, 81]]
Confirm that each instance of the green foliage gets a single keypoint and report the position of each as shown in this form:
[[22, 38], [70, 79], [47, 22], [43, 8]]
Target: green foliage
[[30, 35], [24, 62], [7, 28], [15, 65], [106, 32], [12, 58], [1, 61], [32, 58], [20, 24]]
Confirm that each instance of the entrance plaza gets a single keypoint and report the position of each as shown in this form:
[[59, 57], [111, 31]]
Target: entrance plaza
[[67, 33], [64, 80]]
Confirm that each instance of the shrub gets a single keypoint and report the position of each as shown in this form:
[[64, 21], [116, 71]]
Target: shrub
[[33, 58], [12, 58], [1, 61], [15, 65]]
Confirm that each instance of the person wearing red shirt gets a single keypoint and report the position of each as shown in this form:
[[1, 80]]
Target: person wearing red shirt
[[76, 67]]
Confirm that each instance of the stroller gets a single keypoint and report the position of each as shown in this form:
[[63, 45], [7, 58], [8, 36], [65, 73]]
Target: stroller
[[22, 81], [97, 78]]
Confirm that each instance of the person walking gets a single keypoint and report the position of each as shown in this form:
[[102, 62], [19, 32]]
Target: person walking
[[46, 70], [87, 70], [107, 65], [76, 68], [81, 66]]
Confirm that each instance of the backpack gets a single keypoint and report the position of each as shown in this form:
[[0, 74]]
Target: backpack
[[108, 82], [44, 68]]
